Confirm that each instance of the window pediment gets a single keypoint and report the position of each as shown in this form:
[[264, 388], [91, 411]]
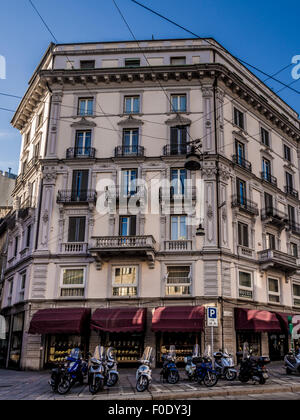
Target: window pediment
[[130, 122], [84, 123], [178, 120]]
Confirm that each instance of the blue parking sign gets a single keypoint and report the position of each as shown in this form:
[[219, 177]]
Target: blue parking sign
[[212, 316]]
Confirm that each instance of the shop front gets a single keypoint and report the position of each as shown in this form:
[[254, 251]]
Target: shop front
[[63, 329], [180, 326], [11, 339], [263, 331], [4, 340], [123, 329]]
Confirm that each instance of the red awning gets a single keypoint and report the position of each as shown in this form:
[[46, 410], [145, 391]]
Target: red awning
[[178, 319], [254, 320], [60, 321], [119, 319]]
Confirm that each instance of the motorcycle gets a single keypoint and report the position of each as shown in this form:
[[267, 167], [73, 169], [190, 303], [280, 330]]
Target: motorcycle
[[144, 372], [292, 363], [205, 372], [111, 366], [76, 369], [57, 374], [97, 370], [190, 367], [224, 365], [169, 371], [253, 367]]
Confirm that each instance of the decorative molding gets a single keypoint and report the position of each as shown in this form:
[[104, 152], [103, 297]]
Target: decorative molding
[[178, 120], [130, 122], [84, 123]]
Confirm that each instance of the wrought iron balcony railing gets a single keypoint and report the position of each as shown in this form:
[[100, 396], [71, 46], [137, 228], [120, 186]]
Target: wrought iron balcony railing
[[175, 150], [291, 191], [265, 176], [128, 151], [277, 259], [273, 213], [70, 196], [81, 153], [243, 163], [172, 193], [294, 227], [245, 204]]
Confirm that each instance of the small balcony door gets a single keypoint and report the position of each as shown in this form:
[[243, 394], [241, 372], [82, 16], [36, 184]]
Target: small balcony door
[[127, 226], [76, 229], [178, 179], [80, 185], [241, 191], [128, 182], [266, 169], [178, 140], [178, 228], [83, 143], [240, 152], [130, 141]]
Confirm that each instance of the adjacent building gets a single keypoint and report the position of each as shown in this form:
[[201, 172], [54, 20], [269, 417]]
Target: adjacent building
[[82, 267]]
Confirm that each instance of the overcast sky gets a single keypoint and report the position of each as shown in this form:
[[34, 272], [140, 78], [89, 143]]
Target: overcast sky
[[265, 34]]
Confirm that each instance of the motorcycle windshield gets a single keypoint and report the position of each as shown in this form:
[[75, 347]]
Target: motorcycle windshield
[[147, 355], [172, 353], [99, 352], [75, 354], [196, 350], [111, 354], [246, 350], [207, 352]]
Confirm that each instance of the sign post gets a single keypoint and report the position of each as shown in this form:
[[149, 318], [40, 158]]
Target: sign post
[[212, 321]]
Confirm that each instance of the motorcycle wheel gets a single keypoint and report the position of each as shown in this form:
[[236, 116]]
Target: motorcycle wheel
[[288, 371], [142, 384], [262, 381], [230, 376], [113, 380], [210, 379], [243, 379], [98, 386], [64, 387], [173, 378]]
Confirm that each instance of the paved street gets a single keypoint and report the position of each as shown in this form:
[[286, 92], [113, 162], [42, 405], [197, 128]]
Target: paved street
[[34, 385]]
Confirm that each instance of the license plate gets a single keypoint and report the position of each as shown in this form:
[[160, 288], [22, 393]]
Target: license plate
[[265, 376]]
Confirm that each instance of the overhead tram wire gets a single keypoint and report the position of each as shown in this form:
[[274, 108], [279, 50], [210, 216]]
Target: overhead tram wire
[[215, 46]]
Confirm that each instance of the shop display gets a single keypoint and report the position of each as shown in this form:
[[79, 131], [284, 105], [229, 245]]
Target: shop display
[[184, 344], [128, 347], [60, 347]]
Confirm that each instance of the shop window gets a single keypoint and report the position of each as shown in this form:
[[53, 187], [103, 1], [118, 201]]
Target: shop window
[[252, 339], [72, 283], [239, 118], [4, 338], [22, 287], [245, 285], [184, 344], [16, 341], [265, 137], [296, 294], [60, 346], [273, 290], [85, 106], [125, 281], [178, 103], [178, 281], [128, 346], [131, 104]]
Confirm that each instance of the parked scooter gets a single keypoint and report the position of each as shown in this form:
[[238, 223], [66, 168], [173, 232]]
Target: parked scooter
[[144, 372], [111, 366], [57, 374], [97, 370], [169, 371], [190, 366], [224, 365], [253, 367], [76, 369], [204, 370], [292, 362]]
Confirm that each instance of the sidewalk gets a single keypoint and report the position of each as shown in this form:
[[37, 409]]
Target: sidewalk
[[34, 385]]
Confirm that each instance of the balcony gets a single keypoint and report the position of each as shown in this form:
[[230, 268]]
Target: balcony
[[291, 191], [175, 150], [245, 205], [178, 246], [118, 193], [25, 207], [274, 217], [270, 258], [106, 247], [294, 227], [169, 194], [81, 153], [243, 163], [129, 151], [74, 197], [269, 178], [74, 248]]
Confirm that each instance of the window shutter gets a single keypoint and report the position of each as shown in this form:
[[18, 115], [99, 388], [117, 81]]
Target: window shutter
[[133, 225], [81, 231], [72, 230]]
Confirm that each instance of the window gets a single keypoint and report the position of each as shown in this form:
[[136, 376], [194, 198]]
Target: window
[[178, 180], [178, 281], [72, 283], [289, 180], [87, 64], [27, 138], [132, 62], [178, 61], [273, 290], [266, 169], [240, 152], [178, 103], [243, 236], [241, 191], [85, 106], [125, 281], [270, 241], [37, 149], [291, 213], [239, 118], [294, 250], [178, 140], [10, 286], [83, 143], [131, 104], [130, 141], [127, 226], [245, 285], [265, 137], [80, 185], [287, 153], [39, 121], [178, 228], [76, 229], [28, 236], [269, 203], [16, 246], [296, 294], [22, 286], [128, 182]]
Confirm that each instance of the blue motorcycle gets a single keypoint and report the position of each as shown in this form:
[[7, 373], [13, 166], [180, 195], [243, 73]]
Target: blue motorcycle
[[76, 370], [169, 371], [204, 371]]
